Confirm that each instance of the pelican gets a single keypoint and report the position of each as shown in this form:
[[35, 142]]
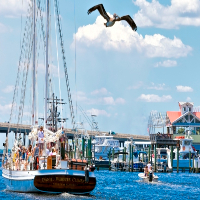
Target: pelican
[[111, 21]]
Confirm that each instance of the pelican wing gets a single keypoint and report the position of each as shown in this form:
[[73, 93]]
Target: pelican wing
[[129, 20], [101, 10]]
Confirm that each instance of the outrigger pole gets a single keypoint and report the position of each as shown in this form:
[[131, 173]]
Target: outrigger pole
[[47, 65]]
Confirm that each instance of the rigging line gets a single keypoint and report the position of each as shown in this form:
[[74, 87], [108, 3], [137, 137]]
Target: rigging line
[[18, 71], [75, 49], [58, 59]]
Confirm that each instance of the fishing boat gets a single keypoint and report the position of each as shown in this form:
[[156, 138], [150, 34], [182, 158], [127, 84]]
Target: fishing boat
[[150, 178], [47, 173], [186, 153]]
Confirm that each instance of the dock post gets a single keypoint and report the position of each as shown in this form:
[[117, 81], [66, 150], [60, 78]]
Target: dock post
[[89, 150], [113, 151], [177, 159], [109, 157], [143, 156], [197, 169], [86, 151], [125, 154], [83, 147], [189, 161], [155, 157], [193, 164], [172, 157], [132, 159], [149, 154], [15, 135], [129, 157]]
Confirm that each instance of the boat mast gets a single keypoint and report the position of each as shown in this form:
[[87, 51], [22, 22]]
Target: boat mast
[[34, 53], [47, 64]]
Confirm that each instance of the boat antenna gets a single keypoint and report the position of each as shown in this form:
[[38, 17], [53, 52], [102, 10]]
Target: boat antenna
[[75, 49], [47, 64]]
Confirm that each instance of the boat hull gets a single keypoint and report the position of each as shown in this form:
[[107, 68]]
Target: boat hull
[[146, 179], [64, 183], [50, 181]]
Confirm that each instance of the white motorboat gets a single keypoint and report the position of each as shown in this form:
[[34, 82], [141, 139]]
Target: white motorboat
[[185, 149], [151, 178], [105, 144]]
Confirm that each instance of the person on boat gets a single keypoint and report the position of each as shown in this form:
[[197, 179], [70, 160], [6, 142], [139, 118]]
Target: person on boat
[[53, 152], [151, 170], [24, 158], [149, 165], [36, 154], [29, 156], [146, 171], [41, 139]]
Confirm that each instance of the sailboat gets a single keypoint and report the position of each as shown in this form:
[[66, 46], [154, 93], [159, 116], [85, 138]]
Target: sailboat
[[71, 175]]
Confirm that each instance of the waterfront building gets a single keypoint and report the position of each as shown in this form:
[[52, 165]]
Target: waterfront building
[[172, 124]]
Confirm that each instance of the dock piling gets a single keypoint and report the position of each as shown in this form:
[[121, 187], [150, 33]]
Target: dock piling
[[177, 159], [172, 157], [189, 161]]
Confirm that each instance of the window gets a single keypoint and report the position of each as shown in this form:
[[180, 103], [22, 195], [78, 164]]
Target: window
[[184, 109]]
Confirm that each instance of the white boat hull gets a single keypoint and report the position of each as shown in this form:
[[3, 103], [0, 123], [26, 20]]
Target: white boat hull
[[146, 179], [25, 181]]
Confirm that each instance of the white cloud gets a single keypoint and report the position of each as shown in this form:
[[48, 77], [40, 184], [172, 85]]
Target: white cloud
[[4, 28], [108, 100], [102, 91], [8, 89], [154, 86], [180, 12], [136, 86], [154, 98], [5, 109], [188, 99], [166, 63], [13, 8], [98, 112], [123, 38], [181, 88], [120, 101]]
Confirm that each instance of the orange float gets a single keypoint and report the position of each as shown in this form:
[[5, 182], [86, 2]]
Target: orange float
[[183, 148]]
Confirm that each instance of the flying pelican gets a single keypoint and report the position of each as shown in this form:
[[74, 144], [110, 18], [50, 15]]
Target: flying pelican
[[111, 21]]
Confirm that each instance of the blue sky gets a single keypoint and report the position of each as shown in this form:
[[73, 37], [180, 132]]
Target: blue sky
[[121, 75]]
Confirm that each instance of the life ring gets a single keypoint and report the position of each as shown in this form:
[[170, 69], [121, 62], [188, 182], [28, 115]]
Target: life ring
[[183, 148]]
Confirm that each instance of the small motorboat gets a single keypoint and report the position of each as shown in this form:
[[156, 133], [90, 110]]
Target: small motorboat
[[150, 178]]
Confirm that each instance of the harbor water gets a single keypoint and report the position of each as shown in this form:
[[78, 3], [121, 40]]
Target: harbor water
[[125, 185]]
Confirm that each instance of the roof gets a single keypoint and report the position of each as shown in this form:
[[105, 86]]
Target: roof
[[182, 103], [197, 114], [173, 115]]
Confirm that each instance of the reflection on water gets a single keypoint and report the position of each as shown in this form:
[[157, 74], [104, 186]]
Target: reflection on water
[[126, 185]]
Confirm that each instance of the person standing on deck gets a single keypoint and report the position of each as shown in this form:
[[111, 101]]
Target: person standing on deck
[[41, 139], [36, 155]]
